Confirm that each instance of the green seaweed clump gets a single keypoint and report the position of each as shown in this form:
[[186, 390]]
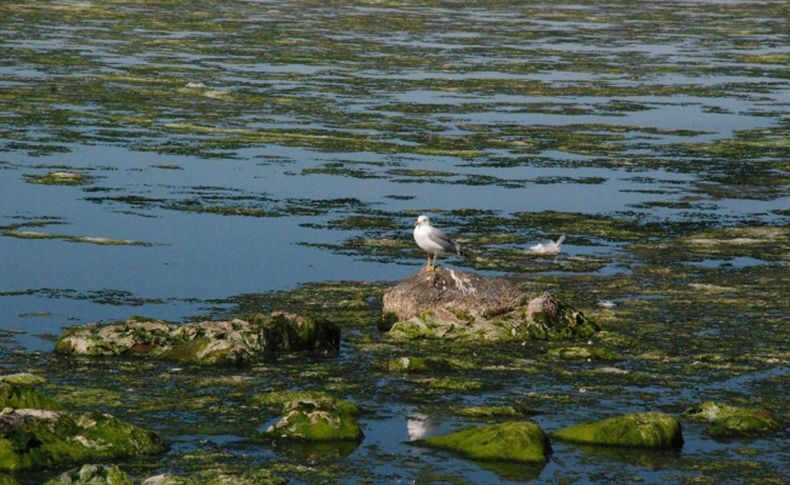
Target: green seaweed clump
[[519, 441], [731, 421], [638, 430], [583, 353], [92, 475]]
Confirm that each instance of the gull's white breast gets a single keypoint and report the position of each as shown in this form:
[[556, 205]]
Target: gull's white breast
[[424, 241]]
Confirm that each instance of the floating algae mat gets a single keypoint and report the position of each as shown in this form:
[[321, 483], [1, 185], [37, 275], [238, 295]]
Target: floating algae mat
[[218, 160]]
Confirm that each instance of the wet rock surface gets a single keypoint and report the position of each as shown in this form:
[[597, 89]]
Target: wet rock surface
[[514, 441], [638, 430], [206, 343], [445, 303]]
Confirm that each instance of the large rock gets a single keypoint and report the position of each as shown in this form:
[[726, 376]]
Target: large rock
[[731, 421], [638, 430], [455, 304], [518, 441], [205, 343]]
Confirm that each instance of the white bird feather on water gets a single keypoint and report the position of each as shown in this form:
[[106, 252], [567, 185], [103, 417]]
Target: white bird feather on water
[[551, 247]]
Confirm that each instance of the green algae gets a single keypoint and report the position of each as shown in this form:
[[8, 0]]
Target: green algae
[[92, 475], [14, 231], [509, 441], [284, 399], [427, 365], [58, 178], [478, 412], [732, 421], [640, 430]]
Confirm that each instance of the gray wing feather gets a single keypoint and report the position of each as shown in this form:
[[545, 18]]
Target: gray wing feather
[[439, 237]]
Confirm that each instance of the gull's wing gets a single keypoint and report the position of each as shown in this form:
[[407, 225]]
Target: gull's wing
[[438, 236]]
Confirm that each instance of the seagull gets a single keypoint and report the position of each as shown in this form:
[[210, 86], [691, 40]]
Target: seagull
[[549, 247], [433, 241]]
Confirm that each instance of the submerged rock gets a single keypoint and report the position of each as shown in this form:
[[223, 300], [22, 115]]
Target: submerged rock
[[205, 343], [639, 430], [285, 400], [92, 475], [732, 421], [519, 441], [455, 304]]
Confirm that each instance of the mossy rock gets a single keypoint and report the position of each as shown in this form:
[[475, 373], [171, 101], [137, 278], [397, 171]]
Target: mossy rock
[[23, 396], [217, 477], [38, 438], [22, 379], [311, 424], [517, 441], [731, 421], [92, 475], [426, 364], [210, 343], [583, 353], [284, 400], [482, 412], [638, 430]]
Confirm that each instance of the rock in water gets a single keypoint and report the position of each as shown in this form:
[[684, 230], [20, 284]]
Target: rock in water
[[205, 343], [450, 292], [637, 430], [456, 304], [510, 441], [92, 475], [731, 421]]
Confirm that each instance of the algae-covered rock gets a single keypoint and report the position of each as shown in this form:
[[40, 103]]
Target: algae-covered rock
[[217, 477], [582, 353], [285, 400], [41, 438], [22, 379], [639, 430], [487, 411], [24, 396], [205, 343], [461, 305], [312, 416], [92, 475], [732, 421], [519, 441], [426, 364]]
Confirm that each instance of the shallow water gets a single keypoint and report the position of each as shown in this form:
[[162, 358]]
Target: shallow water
[[248, 147]]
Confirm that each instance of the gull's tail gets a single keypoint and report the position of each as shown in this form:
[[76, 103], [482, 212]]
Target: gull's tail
[[559, 241]]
